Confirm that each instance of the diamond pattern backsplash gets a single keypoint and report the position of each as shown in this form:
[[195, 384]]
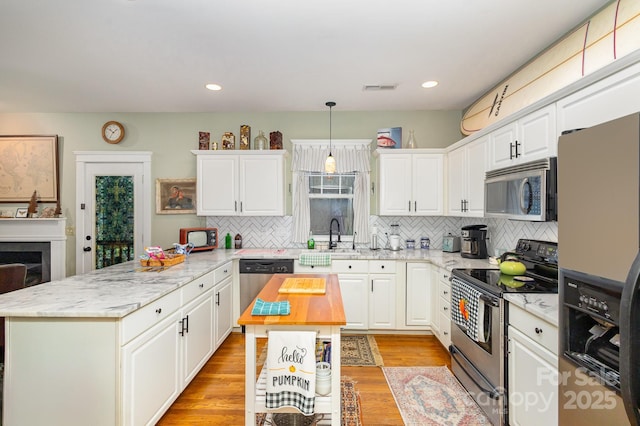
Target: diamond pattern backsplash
[[275, 232]]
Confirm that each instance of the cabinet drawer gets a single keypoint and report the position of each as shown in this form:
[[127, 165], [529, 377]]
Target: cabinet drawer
[[444, 276], [223, 272], [350, 266], [196, 287], [382, 266], [445, 307], [144, 318], [306, 269], [445, 291], [535, 328]]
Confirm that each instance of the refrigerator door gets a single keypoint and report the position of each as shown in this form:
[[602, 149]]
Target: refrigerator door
[[630, 343]]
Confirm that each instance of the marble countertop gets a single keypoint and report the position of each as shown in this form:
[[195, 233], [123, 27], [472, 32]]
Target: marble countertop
[[545, 306], [118, 290]]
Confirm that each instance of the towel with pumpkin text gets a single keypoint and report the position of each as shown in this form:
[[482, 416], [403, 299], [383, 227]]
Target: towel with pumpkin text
[[291, 370]]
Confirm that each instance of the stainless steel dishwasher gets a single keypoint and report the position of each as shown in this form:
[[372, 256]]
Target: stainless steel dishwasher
[[254, 274]]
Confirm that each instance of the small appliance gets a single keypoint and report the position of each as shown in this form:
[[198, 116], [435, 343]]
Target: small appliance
[[201, 238], [524, 192], [450, 243], [474, 242]]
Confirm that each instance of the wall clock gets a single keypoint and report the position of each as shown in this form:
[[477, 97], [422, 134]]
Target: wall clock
[[112, 132]]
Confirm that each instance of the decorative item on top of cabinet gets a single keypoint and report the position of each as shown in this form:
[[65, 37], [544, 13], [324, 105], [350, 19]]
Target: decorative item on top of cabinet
[[275, 140], [203, 140], [228, 141], [260, 142], [411, 142], [390, 137], [245, 136]]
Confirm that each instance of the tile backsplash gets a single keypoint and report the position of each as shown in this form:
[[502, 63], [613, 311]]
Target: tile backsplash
[[275, 232]]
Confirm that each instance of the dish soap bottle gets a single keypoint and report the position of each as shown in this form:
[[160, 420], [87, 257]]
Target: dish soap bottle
[[238, 241], [227, 241], [311, 243]]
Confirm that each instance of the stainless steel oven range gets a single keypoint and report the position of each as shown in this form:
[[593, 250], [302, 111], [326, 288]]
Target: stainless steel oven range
[[478, 358]]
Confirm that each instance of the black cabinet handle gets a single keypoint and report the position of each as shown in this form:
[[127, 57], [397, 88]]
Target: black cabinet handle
[[218, 298], [538, 330], [201, 285], [159, 311]]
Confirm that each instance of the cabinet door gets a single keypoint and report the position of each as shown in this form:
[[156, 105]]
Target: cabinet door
[[261, 185], [197, 334], [428, 185], [151, 373], [355, 299], [217, 185], [537, 133], [223, 295], [456, 178], [476, 167], [502, 146], [382, 301], [435, 297], [418, 294], [395, 184], [533, 379]]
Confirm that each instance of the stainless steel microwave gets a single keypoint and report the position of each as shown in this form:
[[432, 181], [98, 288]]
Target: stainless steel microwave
[[527, 191]]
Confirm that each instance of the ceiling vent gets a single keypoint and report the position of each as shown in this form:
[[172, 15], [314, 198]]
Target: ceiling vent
[[378, 87]]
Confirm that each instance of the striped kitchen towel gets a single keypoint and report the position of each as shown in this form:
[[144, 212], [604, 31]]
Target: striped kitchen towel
[[271, 308], [315, 259]]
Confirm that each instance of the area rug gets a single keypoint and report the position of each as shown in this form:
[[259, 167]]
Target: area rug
[[357, 351], [351, 412], [432, 396]]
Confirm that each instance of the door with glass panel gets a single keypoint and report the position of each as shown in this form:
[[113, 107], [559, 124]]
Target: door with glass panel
[[111, 214]]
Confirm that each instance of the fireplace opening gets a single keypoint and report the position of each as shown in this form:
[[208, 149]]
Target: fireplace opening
[[35, 255]]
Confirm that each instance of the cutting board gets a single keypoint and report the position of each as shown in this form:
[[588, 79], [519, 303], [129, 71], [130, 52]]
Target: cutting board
[[303, 285]]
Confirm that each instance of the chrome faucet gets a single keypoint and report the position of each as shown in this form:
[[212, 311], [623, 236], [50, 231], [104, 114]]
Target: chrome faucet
[[333, 244]]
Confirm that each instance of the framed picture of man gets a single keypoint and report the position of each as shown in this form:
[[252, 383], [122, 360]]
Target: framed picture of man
[[176, 196]]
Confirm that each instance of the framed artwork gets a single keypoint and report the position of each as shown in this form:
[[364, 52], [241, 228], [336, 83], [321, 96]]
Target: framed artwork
[[27, 164], [175, 196], [22, 212]]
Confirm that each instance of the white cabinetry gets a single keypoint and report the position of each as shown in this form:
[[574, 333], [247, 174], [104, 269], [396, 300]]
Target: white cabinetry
[[532, 369], [411, 182], [230, 183], [223, 300], [354, 285], [418, 294], [610, 98], [529, 138], [441, 304], [382, 296], [465, 179]]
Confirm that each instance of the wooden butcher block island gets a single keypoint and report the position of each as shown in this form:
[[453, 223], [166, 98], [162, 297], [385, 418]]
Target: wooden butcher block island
[[322, 313]]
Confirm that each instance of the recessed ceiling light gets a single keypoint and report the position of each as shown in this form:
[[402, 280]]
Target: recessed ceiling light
[[429, 84], [213, 86]]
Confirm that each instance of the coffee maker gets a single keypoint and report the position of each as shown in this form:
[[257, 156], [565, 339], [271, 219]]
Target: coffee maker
[[474, 242]]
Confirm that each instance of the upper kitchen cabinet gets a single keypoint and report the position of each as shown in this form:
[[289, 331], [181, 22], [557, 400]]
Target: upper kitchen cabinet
[[465, 177], [240, 183], [410, 182], [530, 138], [605, 100]]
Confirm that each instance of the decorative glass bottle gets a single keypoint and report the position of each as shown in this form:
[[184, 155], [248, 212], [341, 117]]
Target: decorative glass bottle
[[260, 142], [411, 142]]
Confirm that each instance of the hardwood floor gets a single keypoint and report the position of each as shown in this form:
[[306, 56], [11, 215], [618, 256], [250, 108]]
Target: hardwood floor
[[216, 394]]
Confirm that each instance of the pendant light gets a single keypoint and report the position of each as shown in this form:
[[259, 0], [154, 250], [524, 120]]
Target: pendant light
[[330, 162]]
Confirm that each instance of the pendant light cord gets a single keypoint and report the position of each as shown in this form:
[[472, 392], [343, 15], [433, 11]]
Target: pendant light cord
[[330, 104]]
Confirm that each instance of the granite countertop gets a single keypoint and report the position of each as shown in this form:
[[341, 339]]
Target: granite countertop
[[118, 290], [545, 306]]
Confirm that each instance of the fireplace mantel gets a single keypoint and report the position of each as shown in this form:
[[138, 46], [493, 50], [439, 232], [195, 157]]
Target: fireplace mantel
[[51, 230]]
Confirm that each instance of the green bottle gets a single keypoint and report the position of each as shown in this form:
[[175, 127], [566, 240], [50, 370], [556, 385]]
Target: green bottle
[[227, 241], [311, 243]]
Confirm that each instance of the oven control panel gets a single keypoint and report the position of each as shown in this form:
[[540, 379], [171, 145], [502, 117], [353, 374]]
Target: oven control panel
[[544, 251], [594, 300]]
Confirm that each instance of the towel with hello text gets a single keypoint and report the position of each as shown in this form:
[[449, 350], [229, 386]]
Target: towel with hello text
[[291, 370]]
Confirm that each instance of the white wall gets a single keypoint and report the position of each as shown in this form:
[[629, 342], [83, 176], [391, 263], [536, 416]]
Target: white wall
[[171, 137]]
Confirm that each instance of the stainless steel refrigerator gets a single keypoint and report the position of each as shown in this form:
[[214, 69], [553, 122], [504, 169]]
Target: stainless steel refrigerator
[[599, 261]]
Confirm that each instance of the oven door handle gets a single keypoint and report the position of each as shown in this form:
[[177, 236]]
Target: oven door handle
[[493, 393]]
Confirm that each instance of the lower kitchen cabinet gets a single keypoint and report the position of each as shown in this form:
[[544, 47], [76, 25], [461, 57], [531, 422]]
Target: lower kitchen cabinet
[[354, 286], [442, 313], [382, 296], [418, 294], [532, 369], [223, 294]]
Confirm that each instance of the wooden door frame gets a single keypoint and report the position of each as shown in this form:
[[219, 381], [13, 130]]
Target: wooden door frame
[[91, 157]]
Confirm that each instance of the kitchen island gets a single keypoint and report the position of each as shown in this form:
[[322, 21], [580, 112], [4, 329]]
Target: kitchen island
[[323, 313]]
